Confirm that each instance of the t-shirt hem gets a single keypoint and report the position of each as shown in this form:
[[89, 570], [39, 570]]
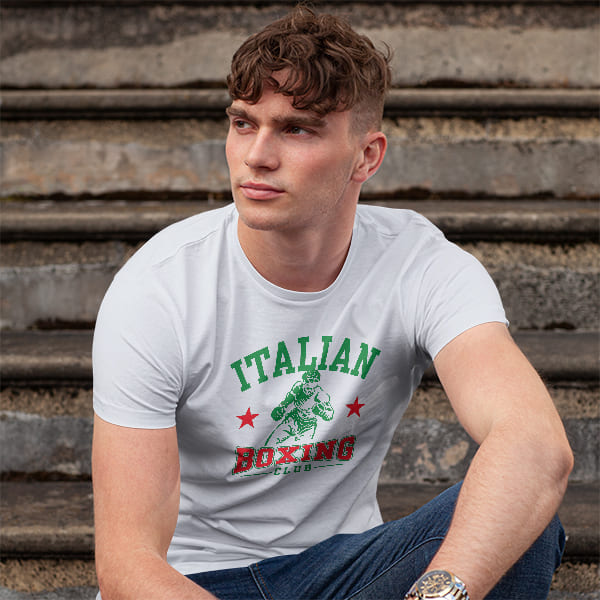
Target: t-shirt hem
[[189, 568], [462, 328], [135, 420]]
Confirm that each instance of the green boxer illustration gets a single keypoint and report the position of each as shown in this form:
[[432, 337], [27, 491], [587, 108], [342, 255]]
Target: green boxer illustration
[[300, 410]]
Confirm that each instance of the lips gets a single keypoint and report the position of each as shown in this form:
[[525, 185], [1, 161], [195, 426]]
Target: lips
[[260, 191]]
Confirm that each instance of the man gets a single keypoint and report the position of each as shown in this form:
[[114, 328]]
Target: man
[[211, 323]]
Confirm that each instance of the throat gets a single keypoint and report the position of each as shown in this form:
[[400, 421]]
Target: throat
[[310, 264]]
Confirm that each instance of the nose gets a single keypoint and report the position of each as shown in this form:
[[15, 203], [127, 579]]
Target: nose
[[262, 152]]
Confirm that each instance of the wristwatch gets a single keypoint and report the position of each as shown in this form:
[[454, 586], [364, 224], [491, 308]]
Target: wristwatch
[[442, 585]]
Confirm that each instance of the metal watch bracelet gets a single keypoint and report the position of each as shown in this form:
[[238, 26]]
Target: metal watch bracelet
[[438, 584]]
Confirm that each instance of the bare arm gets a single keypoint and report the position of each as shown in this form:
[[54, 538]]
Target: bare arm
[[136, 501], [518, 476]]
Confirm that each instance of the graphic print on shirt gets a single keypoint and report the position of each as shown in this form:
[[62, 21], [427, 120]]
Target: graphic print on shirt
[[300, 410], [290, 447]]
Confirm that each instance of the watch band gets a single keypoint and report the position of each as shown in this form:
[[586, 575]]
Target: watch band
[[438, 584]]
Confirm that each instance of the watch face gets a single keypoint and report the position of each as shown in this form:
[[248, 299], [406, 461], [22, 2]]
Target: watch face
[[435, 584]]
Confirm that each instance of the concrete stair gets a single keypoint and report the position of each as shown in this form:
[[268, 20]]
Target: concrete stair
[[52, 521], [46, 417], [113, 128]]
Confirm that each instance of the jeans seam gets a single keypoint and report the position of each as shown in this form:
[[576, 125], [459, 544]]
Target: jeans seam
[[431, 539], [265, 593]]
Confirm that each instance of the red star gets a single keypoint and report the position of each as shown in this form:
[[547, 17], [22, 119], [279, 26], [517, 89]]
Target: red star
[[354, 408], [248, 418]]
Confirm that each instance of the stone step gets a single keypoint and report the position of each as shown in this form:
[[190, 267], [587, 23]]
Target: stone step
[[46, 433], [211, 103], [569, 595], [427, 157], [47, 519], [569, 578], [317, 3], [473, 220], [189, 44], [46, 281], [430, 445], [48, 284], [63, 593], [41, 358], [55, 519], [578, 513], [46, 410], [584, 575]]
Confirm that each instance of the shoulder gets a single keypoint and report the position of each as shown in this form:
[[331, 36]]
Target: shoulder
[[410, 235], [160, 273], [181, 238], [407, 239], [393, 222]]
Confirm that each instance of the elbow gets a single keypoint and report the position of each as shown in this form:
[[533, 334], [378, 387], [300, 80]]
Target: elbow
[[105, 581], [112, 572], [566, 463], [103, 584], [560, 462], [550, 460]]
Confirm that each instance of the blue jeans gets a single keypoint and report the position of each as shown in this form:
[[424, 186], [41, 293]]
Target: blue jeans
[[380, 563]]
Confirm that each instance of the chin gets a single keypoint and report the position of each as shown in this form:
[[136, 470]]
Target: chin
[[261, 217], [259, 224], [264, 223]]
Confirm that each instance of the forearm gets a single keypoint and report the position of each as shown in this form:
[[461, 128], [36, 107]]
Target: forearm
[[511, 492], [145, 574]]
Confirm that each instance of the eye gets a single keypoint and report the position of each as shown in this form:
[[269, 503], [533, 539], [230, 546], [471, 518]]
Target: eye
[[297, 130], [240, 124]]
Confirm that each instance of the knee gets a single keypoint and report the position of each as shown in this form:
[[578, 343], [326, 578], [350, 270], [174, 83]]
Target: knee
[[545, 554], [552, 542], [530, 578]]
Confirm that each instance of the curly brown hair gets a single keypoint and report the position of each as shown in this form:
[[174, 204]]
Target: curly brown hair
[[330, 67]]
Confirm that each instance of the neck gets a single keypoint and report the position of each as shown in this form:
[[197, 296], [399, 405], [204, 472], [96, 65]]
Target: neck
[[303, 261]]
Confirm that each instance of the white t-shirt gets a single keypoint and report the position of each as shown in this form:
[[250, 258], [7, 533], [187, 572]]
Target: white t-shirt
[[285, 402]]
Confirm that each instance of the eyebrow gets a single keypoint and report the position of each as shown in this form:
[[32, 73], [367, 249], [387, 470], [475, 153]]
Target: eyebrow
[[302, 120]]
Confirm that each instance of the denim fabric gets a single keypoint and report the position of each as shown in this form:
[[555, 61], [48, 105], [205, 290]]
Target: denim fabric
[[380, 563]]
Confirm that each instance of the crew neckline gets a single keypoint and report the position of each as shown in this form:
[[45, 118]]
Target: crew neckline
[[283, 293]]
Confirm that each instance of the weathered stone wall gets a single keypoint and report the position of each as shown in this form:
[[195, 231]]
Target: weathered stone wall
[[552, 157], [181, 45]]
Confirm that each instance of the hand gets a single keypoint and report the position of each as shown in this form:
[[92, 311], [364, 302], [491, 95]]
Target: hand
[[277, 413]]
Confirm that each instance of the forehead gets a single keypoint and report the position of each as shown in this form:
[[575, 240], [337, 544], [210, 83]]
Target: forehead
[[276, 107]]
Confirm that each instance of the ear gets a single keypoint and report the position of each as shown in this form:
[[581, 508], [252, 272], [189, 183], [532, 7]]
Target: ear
[[373, 151]]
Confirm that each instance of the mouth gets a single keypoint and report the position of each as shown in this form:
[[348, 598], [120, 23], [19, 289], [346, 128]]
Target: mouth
[[259, 191]]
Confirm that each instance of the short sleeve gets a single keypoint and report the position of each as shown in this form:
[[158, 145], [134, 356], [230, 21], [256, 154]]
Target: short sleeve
[[456, 293], [136, 356]]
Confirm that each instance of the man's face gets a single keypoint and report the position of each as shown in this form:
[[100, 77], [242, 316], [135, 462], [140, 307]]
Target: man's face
[[291, 169]]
